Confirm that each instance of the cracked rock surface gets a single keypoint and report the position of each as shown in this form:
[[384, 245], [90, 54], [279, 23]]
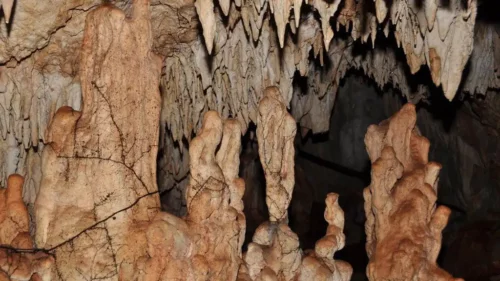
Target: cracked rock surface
[[256, 44], [206, 244], [98, 186], [18, 261]]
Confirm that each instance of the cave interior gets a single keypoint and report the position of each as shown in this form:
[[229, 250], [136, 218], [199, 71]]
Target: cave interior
[[250, 140]]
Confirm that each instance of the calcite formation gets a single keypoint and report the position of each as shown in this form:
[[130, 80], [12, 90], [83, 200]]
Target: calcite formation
[[97, 208], [7, 9], [206, 244], [319, 264], [274, 253], [426, 32], [40, 49], [403, 225], [18, 259], [276, 131], [98, 189]]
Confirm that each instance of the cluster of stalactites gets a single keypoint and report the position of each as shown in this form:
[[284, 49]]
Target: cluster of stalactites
[[433, 33], [403, 225]]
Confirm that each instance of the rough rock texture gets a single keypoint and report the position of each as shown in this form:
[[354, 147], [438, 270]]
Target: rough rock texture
[[276, 131], [206, 244], [403, 225], [17, 259], [439, 35], [464, 140], [98, 186], [320, 265], [274, 253], [39, 56]]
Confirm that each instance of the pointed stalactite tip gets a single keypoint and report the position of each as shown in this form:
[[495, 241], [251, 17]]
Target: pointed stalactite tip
[[7, 9]]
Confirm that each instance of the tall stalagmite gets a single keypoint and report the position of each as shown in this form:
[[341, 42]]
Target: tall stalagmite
[[274, 253], [99, 189], [403, 225]]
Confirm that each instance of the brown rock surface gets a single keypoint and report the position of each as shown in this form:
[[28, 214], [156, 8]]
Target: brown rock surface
[[18, 260], [403, 225], [206, 245], [274, 253], [320, 265], [98, 190]]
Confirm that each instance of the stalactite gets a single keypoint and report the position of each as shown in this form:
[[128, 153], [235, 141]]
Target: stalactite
[[39, 71], [414, 30]]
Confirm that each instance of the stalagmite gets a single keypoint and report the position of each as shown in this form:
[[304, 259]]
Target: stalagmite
[[206, 245], [276, 131], [99, 171], [403, 225], [18, 260], [80, 120], [320, 265], [40, 61], [274, 252]]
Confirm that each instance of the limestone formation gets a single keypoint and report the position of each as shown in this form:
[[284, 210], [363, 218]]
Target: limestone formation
[[274, 253], [413, 28], [7, 9], [18, 260], [80, 98], [206, 244], [403, 225], [276, 131], [98, 189], [40, 48], [320, 265]]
